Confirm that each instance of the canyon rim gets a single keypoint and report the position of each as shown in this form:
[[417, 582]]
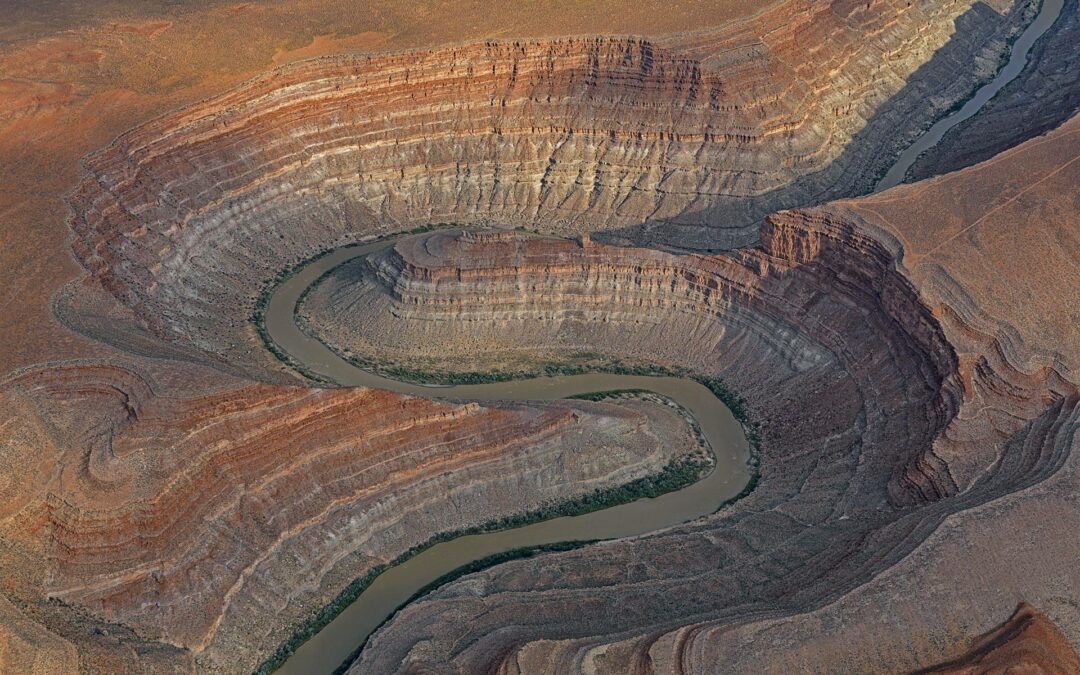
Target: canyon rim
[[476, 337]]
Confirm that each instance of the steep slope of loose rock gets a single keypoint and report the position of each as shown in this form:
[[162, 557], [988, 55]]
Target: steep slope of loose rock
[[1027, 643]]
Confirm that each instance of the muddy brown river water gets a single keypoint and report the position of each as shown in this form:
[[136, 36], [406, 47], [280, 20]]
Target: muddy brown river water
[[326, 650]]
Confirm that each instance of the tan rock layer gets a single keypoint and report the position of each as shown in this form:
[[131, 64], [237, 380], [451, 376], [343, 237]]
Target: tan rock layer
[[690, 139], [918, 406], [216, 523]]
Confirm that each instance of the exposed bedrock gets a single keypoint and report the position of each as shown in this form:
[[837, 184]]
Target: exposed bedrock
[[912, 396], [895, 394], [686, 140], [818, 302], [1027, 643], [210, 526], [1045, 94]]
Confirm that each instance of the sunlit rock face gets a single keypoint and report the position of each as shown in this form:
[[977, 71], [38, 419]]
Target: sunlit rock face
[[924, 385], [904, 376], [686, 140], [217, 523]]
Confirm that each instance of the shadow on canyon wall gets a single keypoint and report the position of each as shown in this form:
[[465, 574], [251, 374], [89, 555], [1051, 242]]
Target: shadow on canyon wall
[[951, 74], [1044, 96], [947, 75]]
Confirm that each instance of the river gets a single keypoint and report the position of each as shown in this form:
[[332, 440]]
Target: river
[[1048, 14], [326, 650]]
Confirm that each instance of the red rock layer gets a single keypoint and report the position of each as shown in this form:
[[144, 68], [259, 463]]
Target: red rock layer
[[1027, 643], [445, 297], [885, 411], [691, 138], [213, 524], [937, 400]]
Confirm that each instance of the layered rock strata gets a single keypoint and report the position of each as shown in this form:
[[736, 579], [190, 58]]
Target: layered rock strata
[[687, 140], [934, 394], [1044, 95], [209, 527], [907, 391], [1027, 643]]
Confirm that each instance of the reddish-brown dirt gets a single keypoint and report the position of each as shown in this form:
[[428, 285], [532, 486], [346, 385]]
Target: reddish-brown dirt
[[173, 499], [1027, 643]]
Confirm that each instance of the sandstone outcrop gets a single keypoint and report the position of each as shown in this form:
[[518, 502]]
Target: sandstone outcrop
[[934, 394], [211, 526], [689, 140], [914, 383]]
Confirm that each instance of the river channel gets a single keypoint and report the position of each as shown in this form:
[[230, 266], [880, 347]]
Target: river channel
[[1048, 14], [326, 650]]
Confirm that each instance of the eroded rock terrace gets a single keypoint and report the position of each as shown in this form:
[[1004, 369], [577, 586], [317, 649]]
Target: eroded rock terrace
[[854, 407], [687, 140], [215, 523], [933, 400], [894, 395]]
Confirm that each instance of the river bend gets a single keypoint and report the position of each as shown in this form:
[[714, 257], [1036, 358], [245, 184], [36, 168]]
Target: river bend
[[328, 648]]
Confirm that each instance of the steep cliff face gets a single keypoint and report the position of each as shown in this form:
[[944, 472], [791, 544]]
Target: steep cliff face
[[1046, 94], [899, 381], [688, 140], [818, 300], [936, 397], [215, 524]]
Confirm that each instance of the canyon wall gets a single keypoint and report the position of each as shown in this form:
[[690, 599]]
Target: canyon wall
[[455, 301], [1046, 93], [688, 140], [944, 400], [907, 391], [211, 526]]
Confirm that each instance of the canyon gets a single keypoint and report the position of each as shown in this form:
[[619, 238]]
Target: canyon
[[1046, 94], [865, 335], [196, 554], [194, 213], [179, 495]]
